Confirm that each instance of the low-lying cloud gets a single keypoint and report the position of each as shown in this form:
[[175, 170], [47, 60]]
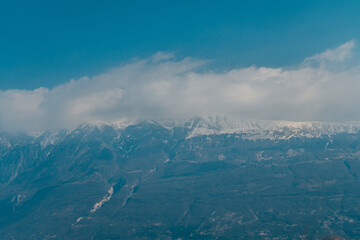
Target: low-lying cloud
[[165, 87]]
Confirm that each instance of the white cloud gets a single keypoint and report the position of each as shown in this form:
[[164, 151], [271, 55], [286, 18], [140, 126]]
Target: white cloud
[[338, 54], [164, 87]]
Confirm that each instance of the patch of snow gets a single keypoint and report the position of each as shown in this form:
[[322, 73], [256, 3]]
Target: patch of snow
[[105, 199], [79, 219], [16, 171]]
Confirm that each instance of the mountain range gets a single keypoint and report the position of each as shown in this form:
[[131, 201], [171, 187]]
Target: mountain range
[[203, 178]]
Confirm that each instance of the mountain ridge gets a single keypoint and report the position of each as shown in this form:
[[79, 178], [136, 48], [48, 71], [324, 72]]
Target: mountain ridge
[[98, 181], [217, 125]]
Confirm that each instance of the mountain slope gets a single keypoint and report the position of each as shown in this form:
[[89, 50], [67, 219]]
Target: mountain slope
[[197, 179]]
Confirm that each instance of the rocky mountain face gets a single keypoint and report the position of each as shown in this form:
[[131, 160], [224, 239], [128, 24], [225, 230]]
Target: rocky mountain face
[[200, 179]]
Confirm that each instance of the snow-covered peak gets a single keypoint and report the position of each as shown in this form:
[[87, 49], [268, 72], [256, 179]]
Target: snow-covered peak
[[255, 129], [215, 125], [124, 123]]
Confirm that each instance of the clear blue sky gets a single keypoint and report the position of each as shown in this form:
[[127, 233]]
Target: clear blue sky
[[45, 43]]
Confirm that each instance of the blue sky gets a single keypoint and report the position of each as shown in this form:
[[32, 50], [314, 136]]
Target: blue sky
[[46, 43], [63, 63]]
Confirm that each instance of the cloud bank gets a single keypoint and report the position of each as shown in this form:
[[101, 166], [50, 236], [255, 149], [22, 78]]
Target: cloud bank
[[165, 87]]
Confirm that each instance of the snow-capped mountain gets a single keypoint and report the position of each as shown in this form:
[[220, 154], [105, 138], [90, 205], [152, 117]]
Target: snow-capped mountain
[[217, 125], [203, 178], [258, 129]]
